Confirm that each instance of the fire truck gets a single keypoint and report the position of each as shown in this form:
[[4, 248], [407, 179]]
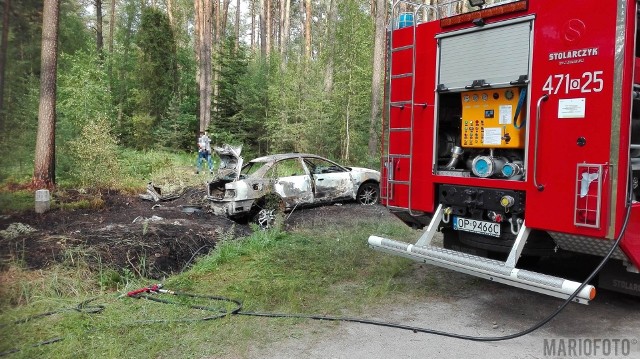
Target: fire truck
[[513, 128]]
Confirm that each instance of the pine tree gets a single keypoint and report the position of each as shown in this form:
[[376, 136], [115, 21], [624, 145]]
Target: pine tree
[[157, 63]]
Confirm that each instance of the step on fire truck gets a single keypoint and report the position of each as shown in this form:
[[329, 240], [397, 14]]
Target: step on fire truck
[[513, 127]]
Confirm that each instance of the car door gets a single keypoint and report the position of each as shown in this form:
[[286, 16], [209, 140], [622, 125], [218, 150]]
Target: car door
[[331, 181], [292, 182]]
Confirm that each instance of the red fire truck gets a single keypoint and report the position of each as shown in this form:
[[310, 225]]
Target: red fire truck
[[513, 127]]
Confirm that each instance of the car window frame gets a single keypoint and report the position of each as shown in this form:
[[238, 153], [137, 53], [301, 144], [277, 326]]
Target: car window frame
[[305, 160]]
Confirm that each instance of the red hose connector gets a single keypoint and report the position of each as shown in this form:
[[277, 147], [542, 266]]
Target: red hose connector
[[152, 288]]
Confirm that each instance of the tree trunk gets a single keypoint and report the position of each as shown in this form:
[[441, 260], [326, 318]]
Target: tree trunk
[[307, 30], [203, 57], [301, 10], [263, 33], [268, 28], [285, 30], [197, 9], [280, 24], [253, 25], [216, 28], [328, 74], [99, 37], [237, 25], [197, 41], [377, 78], [172, 20], [347, 135], [217, 38], [221, 27], [44, 166], [112, 24], [207, 67], [3, 58], [225, 17]]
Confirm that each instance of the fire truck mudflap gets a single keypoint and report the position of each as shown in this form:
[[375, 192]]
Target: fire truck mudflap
[[513, 125]]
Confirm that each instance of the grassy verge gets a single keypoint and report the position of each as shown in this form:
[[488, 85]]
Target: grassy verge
[[16, 201], [329, 271], [170, 171]]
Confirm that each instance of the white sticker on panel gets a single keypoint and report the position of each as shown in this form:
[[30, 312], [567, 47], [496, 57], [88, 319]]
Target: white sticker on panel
[[492, 136], [505, 114], [571, 108]]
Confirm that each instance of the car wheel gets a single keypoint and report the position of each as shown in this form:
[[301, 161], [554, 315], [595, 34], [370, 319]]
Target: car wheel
[[267, 211], [265, 218], [368, 193]]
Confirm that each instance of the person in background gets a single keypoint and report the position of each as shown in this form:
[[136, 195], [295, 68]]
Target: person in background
[[204, 151]]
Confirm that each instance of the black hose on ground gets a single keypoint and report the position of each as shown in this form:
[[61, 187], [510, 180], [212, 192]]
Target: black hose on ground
[[82, 307]]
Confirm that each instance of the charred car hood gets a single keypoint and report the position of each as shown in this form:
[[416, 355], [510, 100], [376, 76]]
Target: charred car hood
[[365, 173], [230, 162]]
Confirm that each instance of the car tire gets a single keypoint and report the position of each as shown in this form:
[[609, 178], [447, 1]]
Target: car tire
[[368, 193], [267, 210]]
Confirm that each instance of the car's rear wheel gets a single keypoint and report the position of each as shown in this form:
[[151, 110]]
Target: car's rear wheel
[[267, 210], [368, 193]]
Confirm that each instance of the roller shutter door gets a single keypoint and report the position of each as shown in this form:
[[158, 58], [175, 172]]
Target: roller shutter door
[[497, 55]]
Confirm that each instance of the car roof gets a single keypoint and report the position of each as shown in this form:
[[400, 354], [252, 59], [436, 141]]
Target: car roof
[[283, 156]]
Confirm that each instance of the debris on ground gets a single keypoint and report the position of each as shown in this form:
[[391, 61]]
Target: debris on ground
[[123, 235], [150, 219], [154, 193], [155, 247], [15, 230]]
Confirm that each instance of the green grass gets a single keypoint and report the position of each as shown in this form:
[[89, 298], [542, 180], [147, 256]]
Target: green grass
[[171, 171], [162, 167], [17, 201], [137, 169], [328, 270]]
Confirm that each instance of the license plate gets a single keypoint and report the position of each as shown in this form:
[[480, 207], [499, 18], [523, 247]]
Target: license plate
[[475, 226]]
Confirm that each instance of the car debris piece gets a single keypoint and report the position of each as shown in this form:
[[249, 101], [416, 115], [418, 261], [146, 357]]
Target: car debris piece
[[230, 160], [191, 209], [154, 194], [153, 218]]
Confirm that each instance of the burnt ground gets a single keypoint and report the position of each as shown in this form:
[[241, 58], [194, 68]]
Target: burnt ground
[[115, 235], [150, 239]]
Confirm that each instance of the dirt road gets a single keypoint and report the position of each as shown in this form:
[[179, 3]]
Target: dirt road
[[477, 308]]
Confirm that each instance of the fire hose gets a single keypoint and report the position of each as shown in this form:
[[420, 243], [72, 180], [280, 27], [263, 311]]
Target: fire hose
[[82, 307]]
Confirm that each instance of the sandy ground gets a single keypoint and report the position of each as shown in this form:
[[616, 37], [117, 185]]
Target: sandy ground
[[474, 307], [480, 309]]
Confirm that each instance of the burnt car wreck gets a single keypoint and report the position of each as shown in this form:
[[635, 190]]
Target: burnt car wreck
[[262, 187]]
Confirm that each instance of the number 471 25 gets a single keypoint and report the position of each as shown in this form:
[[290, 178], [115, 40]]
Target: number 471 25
[[564, 83]]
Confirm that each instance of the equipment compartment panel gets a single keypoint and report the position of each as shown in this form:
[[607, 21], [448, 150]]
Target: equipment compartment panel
[[489, 118]]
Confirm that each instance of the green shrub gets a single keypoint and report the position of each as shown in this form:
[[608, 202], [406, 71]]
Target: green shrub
[[142, 130], [95, 155]]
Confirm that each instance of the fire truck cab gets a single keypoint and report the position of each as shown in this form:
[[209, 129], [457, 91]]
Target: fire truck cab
[[513, 127]]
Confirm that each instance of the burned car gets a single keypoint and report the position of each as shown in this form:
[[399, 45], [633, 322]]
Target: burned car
[[261, 188]]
